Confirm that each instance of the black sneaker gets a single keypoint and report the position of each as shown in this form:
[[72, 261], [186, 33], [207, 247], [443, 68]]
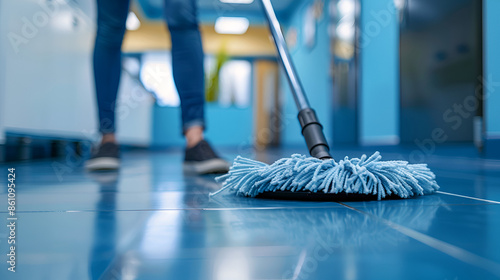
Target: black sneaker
[[106, 157], [201, 159]]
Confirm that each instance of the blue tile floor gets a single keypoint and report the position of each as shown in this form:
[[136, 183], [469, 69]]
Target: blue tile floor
[[150, 221]]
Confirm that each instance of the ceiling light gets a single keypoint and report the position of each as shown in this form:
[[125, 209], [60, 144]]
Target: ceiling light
[[346, 7], [133, 22], [231, 25]]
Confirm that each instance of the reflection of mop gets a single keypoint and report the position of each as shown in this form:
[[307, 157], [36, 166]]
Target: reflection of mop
[[321, 177], [335, 231], [335, 227]]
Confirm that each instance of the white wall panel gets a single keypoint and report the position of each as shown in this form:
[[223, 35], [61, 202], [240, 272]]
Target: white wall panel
[[47, 85]]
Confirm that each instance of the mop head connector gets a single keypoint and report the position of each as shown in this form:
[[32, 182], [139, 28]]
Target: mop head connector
[[365, 175]]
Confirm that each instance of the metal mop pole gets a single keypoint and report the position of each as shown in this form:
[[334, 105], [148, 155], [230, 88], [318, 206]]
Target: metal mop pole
[[312, 130]]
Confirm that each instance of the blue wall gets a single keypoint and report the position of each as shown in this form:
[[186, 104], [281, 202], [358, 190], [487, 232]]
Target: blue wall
[[492, 76], [228, 126], [379, 88], [313, 67]]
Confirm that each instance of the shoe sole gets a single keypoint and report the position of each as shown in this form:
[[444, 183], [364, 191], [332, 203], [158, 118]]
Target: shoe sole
[[206, 167], [104, 163]]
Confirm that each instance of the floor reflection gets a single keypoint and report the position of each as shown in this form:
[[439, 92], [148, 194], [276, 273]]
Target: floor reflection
[[104, 244]]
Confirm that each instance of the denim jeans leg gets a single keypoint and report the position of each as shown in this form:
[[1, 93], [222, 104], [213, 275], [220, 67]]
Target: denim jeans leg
[[187, 59], [111, 19]]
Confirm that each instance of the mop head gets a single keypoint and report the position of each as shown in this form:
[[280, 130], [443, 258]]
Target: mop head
[[365, 175]]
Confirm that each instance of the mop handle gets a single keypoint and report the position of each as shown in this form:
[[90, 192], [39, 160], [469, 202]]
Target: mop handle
[[286, 60], [311, 127]]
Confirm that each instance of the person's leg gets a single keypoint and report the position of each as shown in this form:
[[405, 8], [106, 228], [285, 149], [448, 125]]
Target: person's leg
[[111, 26], [187, 64]]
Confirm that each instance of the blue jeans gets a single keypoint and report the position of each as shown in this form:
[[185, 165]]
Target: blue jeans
[[187, 59]]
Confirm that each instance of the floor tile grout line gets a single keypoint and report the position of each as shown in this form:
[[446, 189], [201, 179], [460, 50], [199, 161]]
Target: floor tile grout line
[[442, 246], [226, 209], [176, 209], [469, 197], [464, 176]]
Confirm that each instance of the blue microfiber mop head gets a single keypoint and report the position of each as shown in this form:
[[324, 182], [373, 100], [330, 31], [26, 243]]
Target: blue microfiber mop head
[[365, 175]]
